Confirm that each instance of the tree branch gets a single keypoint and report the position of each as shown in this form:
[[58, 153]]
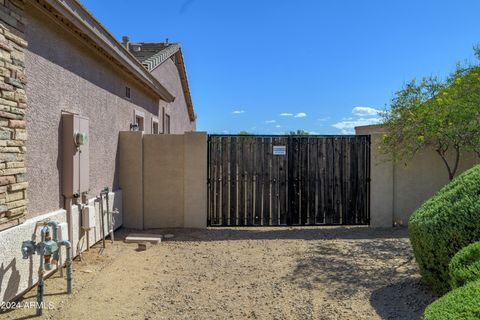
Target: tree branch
[[445, 161]]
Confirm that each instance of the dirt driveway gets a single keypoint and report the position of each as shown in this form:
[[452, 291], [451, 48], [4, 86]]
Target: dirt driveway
[[261, 273]]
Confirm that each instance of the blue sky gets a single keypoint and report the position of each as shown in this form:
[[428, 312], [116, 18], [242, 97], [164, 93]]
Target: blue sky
[[272, 66]]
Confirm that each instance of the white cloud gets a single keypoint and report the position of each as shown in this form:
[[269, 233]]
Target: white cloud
[[270, 121], [313, 132], [278, 126], [348, 127], [286, 114], [238, 111], [365, 111], [301, 115]]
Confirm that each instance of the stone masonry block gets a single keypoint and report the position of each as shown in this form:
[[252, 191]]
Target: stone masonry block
[[5, 180], [16, 204], [15, 164], [15, 196], [20, 134], [21, 177], [18, 186], [17, 124], [8, 172]]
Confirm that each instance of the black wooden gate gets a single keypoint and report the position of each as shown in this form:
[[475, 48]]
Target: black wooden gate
[[288, 180]]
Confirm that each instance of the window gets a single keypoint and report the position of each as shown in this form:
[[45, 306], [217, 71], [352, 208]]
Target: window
[[127, 92], [167, 124], [154, 126], [139, 120]]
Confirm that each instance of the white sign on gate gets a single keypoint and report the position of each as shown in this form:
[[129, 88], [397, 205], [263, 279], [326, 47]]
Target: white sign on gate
[[279, 150]]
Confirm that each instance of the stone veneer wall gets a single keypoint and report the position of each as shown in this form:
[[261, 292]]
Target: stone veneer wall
[[13, 134]]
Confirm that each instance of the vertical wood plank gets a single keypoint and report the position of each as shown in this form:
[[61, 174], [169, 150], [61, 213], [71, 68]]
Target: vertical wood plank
[[233, 182], [266, 179], [282, 183], [274, 184], [250, 184], [312, 179], [258, 181], [241, 181], [225, 177]]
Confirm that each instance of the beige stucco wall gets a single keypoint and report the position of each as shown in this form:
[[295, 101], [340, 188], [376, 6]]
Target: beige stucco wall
[[398, 189], [174, 180], [421, 178], [167, 74], [65, 74], [195, 180], [163, 174], [131, 170]]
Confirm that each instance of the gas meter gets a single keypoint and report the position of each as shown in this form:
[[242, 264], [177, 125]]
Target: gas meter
[[81, 138]]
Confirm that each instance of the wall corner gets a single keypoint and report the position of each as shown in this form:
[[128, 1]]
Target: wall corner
[[13, 103]]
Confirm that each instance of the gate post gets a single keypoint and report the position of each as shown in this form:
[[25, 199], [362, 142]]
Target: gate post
[[381, 180], [195, 183]]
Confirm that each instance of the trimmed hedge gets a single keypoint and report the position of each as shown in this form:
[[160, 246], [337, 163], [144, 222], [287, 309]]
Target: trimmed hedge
[[465, 265], [443, 225], [462, 303]]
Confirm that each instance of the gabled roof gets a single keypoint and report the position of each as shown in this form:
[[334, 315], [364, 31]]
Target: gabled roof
[[153, 54], [73, 16]]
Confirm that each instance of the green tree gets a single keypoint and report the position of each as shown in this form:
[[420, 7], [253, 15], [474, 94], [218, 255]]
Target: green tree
[[299, 133], [443, 115], [245, 133]]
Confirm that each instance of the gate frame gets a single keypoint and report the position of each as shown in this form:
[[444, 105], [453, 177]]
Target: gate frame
[[367, 173]]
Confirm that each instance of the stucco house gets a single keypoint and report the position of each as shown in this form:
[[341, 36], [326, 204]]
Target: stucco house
[[61, 70]]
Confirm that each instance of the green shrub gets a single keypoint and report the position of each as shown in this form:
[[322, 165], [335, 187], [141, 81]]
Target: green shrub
[[462, 303], [465, 265], [443, 225]]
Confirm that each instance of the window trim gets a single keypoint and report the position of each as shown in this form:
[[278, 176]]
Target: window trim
[[167, 129], [128, 92], [139, 114], [153, 122], [163, 121]]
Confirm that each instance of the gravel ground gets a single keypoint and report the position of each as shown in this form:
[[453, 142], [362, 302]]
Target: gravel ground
[[241, 273]]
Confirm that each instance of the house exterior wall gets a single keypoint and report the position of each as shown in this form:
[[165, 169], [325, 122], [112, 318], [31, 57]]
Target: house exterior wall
[[397, 189], [167, 74], [66, 75]]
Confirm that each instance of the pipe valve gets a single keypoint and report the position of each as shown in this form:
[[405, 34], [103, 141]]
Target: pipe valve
[[28, 249]]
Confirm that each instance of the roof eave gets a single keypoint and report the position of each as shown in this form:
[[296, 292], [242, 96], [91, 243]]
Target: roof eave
[[82, 19]]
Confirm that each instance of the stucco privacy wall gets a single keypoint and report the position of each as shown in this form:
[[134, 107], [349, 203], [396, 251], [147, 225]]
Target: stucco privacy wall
[[131, 177], [167, 74], [397, 189], [173, 180], [67, 75], [18, 274], [12, 112]]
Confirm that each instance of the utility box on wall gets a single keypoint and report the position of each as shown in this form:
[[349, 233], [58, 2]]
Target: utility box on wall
[[76, 166]]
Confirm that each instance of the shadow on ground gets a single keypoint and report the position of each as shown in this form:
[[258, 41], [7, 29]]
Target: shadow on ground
[[380, 269], [406, 299], [275, 233]]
